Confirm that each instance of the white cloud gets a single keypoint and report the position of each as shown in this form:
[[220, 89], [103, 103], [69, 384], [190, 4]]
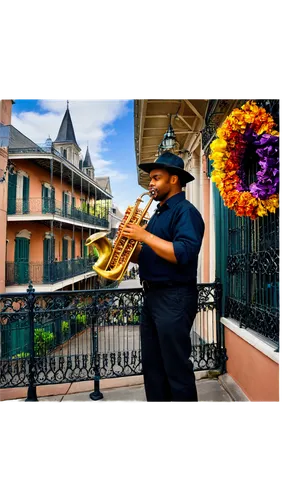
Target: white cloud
[[92, 122], [104, 168]]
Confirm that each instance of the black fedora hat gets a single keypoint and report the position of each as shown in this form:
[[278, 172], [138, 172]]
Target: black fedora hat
[[171, 162]]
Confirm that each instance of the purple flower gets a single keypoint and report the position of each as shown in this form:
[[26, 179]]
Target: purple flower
[[267, 148]]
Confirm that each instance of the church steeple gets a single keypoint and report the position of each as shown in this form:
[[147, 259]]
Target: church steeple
[[65, 142], [66, 132], [87, 164]]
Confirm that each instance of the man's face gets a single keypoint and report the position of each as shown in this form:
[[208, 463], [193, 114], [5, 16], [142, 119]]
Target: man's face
[[160, 181]]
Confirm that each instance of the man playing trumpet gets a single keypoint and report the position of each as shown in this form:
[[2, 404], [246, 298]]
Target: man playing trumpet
[[168, 259]]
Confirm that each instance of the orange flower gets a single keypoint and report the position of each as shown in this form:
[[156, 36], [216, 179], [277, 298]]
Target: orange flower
[[231, 198]]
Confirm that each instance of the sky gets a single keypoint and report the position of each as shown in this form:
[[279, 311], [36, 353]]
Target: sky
[[106, 126]]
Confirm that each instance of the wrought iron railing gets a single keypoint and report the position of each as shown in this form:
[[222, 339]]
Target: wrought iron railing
[[48, 206], [49, 338], [253, 274], [19, 273]]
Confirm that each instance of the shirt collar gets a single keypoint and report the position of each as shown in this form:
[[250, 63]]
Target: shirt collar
[[171, 202]]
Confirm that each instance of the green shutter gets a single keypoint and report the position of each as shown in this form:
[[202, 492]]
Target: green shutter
[[65, 204], [49, 249], [73, 209], [73, 249], [53, 202], [49, 257], [45, 199], [12, 189], [22, 246], [65, 249], [83, 249], [26, 194]]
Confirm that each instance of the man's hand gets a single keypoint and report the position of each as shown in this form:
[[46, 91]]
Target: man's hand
[[134, 232], [163, 248]]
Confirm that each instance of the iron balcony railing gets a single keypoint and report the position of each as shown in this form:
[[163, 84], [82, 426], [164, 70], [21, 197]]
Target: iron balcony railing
[[253, 274], [69, 336], [48, 206], [20, 273]]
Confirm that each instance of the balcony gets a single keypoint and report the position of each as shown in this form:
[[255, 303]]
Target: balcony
[[47, 208], [20, 273]]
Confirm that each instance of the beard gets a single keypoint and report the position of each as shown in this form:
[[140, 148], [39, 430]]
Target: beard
[[161, 196]]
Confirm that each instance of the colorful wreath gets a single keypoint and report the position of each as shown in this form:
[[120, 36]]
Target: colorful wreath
[[249, 126]]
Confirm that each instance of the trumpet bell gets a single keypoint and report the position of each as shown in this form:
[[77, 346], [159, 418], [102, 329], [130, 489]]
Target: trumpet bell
[[103, 247]]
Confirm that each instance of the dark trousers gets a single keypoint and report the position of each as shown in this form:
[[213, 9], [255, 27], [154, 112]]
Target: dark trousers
[[166, 321]]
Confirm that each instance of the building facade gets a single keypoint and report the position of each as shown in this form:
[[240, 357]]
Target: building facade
[[52, 203]]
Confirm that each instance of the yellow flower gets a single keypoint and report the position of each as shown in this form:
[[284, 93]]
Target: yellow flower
[[275, 132], [216, 156], [248, 117], [254, 108], [272, 203], [217, 176], [265, 127], [261, 210], [218, 145]]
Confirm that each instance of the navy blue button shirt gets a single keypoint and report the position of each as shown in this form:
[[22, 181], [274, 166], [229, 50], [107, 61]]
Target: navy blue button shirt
[[178, 221]]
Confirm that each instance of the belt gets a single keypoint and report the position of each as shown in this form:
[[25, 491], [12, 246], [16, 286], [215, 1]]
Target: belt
[[150, 285]]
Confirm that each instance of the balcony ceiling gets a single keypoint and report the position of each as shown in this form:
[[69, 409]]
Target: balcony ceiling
[[152, 118], [189, 118]]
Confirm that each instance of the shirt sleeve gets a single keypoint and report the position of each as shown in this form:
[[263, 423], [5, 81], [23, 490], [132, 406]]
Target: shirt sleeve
[[188, 235]]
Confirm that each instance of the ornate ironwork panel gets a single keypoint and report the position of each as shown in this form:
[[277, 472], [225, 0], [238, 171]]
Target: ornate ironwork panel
[[253, 274]]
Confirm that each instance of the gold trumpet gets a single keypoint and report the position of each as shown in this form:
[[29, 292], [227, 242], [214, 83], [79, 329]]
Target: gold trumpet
[[113, 261]]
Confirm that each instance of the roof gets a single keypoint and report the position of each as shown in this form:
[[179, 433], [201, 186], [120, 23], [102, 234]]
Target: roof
[[104, 183], [66, 132], [117, 213], [87, 161], [19, 140]]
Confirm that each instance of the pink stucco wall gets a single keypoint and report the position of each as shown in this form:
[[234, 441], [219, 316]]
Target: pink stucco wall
[[253, 371]]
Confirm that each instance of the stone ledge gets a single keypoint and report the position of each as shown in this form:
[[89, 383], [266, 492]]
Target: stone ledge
[[251, 338], [70, 388], [77, 387]]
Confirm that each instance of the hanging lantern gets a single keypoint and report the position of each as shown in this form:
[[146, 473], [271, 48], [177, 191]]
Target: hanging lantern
[[169, 140]]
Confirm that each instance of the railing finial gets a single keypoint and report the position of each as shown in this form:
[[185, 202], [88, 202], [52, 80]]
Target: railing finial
[[30, 288]]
